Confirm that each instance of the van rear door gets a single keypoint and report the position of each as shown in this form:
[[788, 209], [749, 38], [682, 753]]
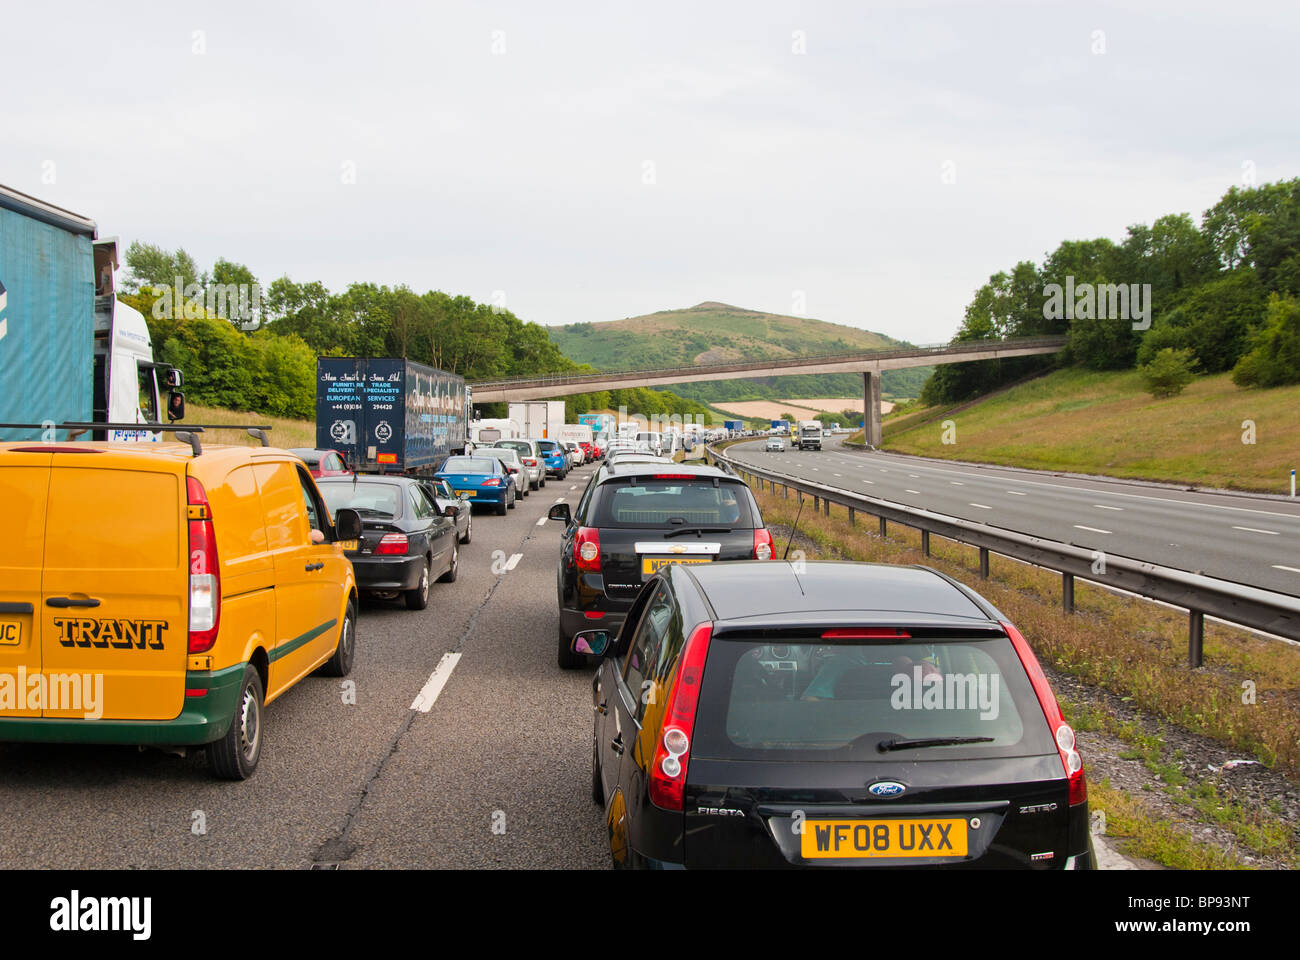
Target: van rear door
[[24, 484], [114, 606]]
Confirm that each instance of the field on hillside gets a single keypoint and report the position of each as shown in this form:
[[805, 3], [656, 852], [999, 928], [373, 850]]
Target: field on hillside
[[772, 409], [1106, 423], [284, 433]]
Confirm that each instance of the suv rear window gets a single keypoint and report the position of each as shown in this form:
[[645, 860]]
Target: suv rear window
[[648, 502], [820, 701]]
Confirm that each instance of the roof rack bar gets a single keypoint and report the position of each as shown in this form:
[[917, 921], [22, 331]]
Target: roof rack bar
[[185, 433]]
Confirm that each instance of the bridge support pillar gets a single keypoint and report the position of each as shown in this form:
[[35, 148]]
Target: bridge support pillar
[[871, 407]]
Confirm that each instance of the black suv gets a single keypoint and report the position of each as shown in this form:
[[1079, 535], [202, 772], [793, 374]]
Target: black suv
[[829, 715], [634, 519]]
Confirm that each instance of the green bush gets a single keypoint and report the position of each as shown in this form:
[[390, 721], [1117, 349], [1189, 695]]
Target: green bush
[[1169, 372], [1274, 358]]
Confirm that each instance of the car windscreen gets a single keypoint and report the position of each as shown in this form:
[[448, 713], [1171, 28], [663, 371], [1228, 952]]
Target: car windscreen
[[648, 501], [814, 700], [469, 465], [371, 499], [518, 446]]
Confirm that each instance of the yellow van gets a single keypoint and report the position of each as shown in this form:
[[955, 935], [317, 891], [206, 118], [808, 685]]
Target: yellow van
[[162, 593]]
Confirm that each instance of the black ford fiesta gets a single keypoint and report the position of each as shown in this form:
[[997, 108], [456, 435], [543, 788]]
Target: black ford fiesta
[[828, 715]]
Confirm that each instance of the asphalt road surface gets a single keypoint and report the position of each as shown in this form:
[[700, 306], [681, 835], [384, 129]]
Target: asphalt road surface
[[1254, 541], [496, 773]]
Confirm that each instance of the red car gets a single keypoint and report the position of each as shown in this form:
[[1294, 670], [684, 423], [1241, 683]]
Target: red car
[[323, 463], [590, 450]]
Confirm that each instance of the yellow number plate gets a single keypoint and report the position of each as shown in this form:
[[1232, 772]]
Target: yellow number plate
[[348, 545], [11, 633], [651, 564], [822, 839], [467, 493]]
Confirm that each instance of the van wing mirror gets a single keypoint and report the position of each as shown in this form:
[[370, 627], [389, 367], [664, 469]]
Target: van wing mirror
[[593, 642], [347, 524]]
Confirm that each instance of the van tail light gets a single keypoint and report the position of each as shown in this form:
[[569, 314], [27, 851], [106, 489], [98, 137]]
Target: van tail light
[[392, 544], [762, 544], [1062, 732], [205, 571], [586, 548], [673, 748]]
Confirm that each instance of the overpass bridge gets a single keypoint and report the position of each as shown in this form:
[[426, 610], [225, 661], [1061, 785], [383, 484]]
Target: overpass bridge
[[870, 364]]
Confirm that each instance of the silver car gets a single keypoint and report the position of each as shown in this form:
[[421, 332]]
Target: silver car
[[775, 443], [531, 455], [511, 460]]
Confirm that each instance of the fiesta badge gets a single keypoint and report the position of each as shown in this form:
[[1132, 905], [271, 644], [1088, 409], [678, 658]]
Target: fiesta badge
[[886, 788]]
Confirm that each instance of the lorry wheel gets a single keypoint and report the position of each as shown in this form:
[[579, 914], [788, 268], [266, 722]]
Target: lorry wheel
[[235, 756], [340, 665], [418, 598]]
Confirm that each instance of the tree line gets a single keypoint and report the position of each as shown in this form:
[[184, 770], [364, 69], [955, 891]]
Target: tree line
[[266, 361], [1215, 297]]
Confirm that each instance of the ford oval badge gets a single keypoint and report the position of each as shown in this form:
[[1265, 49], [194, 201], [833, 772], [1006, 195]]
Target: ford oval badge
[[886, 788]]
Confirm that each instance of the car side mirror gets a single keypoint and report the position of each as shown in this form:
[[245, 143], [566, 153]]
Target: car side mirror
[[592, 642], [559, 511], [175, 405], [347, 524], [451, 511]]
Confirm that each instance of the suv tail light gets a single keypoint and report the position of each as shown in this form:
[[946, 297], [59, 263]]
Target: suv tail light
[[586, 549], [205, 571], [1062, 732], [392, 544], [673, 748], [762, 544]]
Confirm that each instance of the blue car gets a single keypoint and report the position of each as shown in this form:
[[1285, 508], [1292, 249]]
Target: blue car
[[481, 479], [555, 457]]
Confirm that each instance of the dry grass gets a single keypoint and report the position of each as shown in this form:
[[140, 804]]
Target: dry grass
[[1127, 646], [284, 433]]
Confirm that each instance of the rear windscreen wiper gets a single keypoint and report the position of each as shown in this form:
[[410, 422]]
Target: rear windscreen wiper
[[900, 743], [680, 530]]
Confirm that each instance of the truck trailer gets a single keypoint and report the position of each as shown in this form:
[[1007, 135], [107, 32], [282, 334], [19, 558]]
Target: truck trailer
[[389, 415], [541, 419], [70, 352]]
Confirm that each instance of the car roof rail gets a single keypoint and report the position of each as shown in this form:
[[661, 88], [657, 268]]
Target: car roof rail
[[185, 433]]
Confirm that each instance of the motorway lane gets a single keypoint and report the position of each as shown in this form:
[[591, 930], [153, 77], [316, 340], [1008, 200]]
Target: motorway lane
[[373, 783], [1250, 540]]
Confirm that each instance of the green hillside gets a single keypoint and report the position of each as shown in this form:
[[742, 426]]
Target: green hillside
[[1105, 422], [718, 333]]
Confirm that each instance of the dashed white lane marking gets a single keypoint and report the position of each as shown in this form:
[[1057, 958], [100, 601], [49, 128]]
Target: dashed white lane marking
[[1278, 566], [836, 474], [869, 481], [541, 521], [914, 491], [1271, 533], [1102, 506], [1015, 493], [982, 506], [1079, 526], [514, 560], [559, 499], [957, 483], [437, 680], [574, 487]]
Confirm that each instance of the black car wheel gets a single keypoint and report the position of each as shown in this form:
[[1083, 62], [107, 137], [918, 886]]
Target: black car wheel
[[511, 497], [418, 598], [597, 790], [450, 575], [567, 659], [469, 526], [235, 756]]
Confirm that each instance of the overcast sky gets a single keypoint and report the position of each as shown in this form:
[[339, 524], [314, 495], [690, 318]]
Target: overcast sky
[[591, 161]]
